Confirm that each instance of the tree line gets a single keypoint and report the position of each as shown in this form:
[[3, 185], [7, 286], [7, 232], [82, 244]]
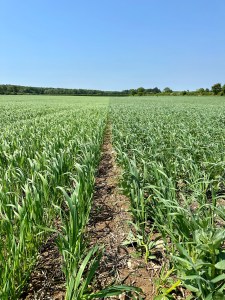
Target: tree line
[[8, 89]]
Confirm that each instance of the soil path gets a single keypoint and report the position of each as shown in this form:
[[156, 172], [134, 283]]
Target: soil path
[[109, 227]]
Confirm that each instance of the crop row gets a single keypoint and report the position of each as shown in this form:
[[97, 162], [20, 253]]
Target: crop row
[[172, 155], [39, 154], [50, 149]]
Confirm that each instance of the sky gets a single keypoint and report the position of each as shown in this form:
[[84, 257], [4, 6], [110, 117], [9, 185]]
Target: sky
[[112, 44]]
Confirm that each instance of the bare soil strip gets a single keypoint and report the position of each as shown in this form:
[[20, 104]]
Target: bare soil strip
[[109, 227], [47, 280]]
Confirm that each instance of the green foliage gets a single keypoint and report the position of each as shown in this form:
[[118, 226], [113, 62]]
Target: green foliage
[[172, 155], [216, 88], [8, 89], [223, 90], [167, 90], [49, 153], [42, 144]]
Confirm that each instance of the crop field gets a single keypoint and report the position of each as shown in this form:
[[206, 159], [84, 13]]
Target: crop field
[[170, 152]]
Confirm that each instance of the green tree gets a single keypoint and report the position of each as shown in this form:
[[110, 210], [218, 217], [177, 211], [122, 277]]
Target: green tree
[[200, 91], [156, 90], [132, 92], [167, 90], [141, 91], [223, 89], [216, 88]]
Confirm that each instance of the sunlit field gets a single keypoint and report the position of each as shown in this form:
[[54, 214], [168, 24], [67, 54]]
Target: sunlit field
[[171, 153]]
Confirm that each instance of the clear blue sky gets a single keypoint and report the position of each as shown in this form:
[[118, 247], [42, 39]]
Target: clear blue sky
[[112, 44]]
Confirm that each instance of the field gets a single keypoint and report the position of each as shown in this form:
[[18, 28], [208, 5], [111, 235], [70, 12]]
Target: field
[[168, 153]]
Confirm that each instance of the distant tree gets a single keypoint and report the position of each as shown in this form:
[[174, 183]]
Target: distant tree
[[132, 92], [200, 91], [14, 89], [216, 88], [167, 90], [2, 91], [223, 89], [140, 91], [156, 90], [7, 89]]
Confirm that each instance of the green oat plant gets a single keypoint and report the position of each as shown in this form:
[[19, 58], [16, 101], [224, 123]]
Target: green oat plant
[[172, 156], [80, 265], [42, 140]]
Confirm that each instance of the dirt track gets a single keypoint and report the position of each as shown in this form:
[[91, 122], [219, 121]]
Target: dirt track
[[109, 227]]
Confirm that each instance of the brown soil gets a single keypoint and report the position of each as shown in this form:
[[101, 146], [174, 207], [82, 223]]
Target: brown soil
[[109, 227], [47, 279]]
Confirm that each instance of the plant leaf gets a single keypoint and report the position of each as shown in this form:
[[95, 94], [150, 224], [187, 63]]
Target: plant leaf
[[218, 278], [220, 265]]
